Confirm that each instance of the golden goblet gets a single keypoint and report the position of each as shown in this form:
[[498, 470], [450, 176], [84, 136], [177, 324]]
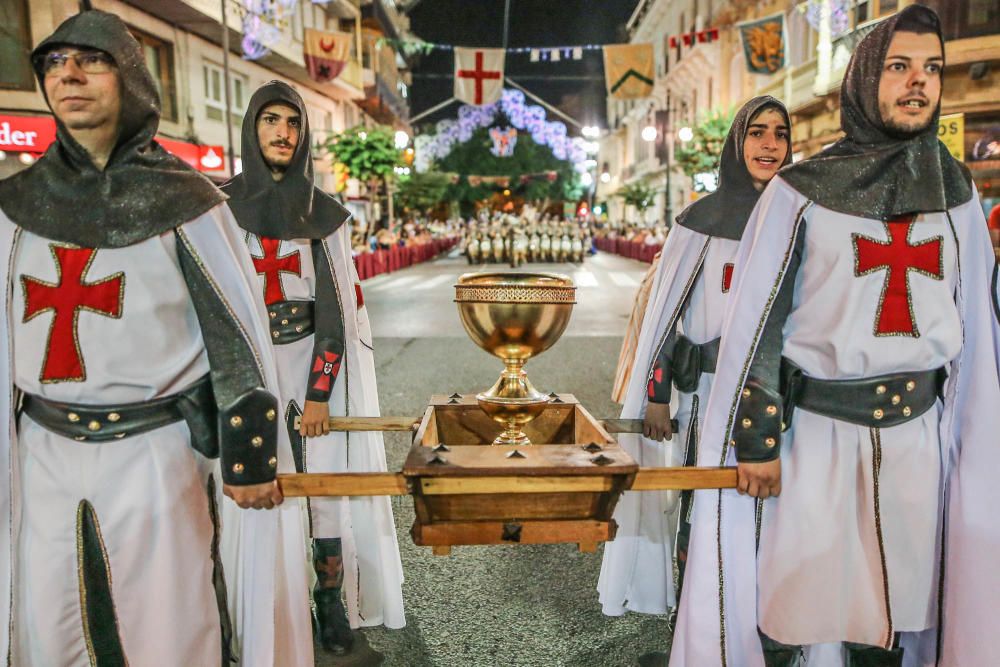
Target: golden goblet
[[514, 316]]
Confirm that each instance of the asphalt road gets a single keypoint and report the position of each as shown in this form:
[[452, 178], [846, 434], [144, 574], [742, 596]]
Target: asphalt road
[[498, 605]]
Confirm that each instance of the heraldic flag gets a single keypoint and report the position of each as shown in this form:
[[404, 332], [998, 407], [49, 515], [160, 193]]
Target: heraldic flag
[[478, 75], [629, 70], [325, 53]]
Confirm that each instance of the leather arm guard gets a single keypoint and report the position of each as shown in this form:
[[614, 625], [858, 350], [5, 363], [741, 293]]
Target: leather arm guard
[[329, 344], [248, 434], [659, 384], [758, 426]]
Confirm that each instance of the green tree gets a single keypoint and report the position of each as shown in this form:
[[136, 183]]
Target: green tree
[[369, 153], [637, 194], [703, 152], [423, 191]]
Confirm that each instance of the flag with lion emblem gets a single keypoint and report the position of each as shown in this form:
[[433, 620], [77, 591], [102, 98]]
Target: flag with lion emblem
[[764, 43]]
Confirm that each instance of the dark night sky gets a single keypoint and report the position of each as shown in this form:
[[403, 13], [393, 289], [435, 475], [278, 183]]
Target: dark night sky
[[535, 23]]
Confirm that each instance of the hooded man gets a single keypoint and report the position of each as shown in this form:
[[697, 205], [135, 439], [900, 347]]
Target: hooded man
[[858, 378], [300, 248], [127, 369], [678, 345]]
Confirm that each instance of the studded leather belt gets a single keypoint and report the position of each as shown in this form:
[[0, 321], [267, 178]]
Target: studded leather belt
[[876, 402], [290, 321], [689, 360], [101, 423]]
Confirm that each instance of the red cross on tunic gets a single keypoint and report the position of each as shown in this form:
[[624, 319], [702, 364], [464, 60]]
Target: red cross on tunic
[[898, 257], [66, 299], [325, 368], [727, 277], [271, 267], [479, 74]]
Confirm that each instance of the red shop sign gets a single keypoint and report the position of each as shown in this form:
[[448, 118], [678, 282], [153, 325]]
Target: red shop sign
[[26, 134], [34, 134]]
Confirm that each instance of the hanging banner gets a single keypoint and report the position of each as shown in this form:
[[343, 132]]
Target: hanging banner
[[325, 53], [629, 70], [764, 43], [479, 75]]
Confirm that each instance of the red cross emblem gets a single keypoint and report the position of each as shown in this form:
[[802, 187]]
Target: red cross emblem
[[479, 74], [271, 267], [898, 257], [66, 298], [327, 365], [655, 380], [727, 277]]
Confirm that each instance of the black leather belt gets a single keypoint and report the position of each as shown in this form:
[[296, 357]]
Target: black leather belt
[[881, 401], [290, 321], [101, 423], [689, 360]]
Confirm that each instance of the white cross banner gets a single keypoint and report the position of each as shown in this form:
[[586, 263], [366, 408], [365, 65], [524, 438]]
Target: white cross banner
[[479, 75]]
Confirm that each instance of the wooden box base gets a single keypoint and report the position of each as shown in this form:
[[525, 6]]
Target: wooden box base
[[571, 477]]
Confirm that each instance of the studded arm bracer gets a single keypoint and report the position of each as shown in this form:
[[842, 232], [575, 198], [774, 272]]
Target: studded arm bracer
[[759, 417], [248, 424]]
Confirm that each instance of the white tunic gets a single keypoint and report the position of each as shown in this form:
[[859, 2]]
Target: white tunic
[[837, 573], [372, 565], [149, 491], [637, 570]]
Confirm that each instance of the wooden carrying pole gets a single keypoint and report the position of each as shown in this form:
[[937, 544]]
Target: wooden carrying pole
[[395, 484], [411, 423]]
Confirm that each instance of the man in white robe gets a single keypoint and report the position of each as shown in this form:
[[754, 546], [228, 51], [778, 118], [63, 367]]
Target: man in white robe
[[679, 342], [857, 392], [300, 248], [127, 371]]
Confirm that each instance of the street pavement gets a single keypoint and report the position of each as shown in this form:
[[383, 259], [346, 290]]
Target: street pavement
[[517, 606]]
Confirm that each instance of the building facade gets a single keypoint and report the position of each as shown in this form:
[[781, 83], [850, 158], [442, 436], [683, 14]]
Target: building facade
[[696, 77], [182, 41]]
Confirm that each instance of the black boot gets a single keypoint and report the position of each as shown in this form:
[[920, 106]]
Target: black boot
[[862, 655], [331, 617], [777, 654]]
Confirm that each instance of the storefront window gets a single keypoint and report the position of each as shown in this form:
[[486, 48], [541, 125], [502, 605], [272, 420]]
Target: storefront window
[[15, 46]]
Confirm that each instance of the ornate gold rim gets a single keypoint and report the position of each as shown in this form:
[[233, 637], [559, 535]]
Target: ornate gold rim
[[501, 287]]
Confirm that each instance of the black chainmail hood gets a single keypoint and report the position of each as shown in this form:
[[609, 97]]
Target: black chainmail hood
[[724, 213], [292, 208], [871, 173], [143, 191]]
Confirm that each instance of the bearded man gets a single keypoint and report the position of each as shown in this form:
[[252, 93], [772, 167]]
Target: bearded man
[[857, 393]]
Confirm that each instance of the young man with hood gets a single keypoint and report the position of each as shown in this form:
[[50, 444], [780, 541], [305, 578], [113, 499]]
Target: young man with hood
[[133, 353], [857, 393], [678, 346], [301, 250]]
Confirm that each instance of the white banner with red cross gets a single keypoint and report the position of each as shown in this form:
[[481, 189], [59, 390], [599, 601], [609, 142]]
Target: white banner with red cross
[[478, 75]]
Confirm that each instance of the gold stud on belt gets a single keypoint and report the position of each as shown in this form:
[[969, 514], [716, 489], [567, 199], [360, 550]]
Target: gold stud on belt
[[747, 423], [270, 414], [236, 421], [94, 426], [73, 417], [907, 411], [257, 441], [746, 393], [238, 468], [911, 385], [273, 462], [772, 410], [896, 399], [881, 389], [770, 442], [878, 414], [114, 417]]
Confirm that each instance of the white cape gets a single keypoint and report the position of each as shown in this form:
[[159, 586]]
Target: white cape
[[637, 570], [717, 620]]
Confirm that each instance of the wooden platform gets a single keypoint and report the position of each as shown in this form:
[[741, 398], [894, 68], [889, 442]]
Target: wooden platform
[[567, 481]]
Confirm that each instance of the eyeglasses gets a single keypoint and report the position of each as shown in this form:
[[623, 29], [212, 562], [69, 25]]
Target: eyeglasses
[[89, 62]]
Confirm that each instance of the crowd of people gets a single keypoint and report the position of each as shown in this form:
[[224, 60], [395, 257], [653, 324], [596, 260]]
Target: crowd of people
[[516, 240]]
